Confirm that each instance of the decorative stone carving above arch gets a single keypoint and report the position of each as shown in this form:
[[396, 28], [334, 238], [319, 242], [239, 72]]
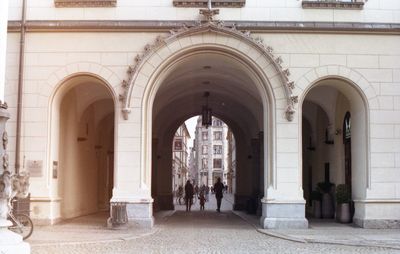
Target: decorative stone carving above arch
[[143, 60]]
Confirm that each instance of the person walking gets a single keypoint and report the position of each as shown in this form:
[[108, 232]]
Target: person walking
[[202, 199], [218, 189], [207, 193], [188, 195]]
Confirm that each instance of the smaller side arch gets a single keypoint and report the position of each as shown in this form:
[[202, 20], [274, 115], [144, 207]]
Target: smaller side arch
[[55, 80], [363, 99], [306, 82], [96, 93]]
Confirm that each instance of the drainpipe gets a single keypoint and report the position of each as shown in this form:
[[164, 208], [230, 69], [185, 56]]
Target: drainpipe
[[20, 88]]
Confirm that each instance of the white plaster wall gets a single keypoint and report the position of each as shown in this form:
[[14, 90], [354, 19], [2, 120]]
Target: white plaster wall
[[383, 11], [3, 45]]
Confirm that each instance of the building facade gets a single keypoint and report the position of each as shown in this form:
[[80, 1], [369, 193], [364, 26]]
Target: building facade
[[231, 167], [102, 86], [212, 152], [180, 160]]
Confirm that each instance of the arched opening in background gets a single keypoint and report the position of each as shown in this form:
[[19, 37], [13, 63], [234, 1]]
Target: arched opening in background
[[202, 154], [82, 147], [328, 157]]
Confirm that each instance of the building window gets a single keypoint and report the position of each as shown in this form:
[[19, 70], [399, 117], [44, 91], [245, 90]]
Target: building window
[[217, 135], [178, 145], [347, 128], [204, 135], [217, 163], [204, 163], [85, 3], [205, 150], [217, 149], [217, 122]]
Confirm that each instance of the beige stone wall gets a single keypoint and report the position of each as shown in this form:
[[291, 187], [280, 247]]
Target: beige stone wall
[[370, 61], [383, 11]]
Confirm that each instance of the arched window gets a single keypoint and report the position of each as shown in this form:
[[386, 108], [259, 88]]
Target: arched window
[[347, 128]]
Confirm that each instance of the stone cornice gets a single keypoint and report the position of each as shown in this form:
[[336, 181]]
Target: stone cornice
[[84, 3], [215, 3], [253, 26]]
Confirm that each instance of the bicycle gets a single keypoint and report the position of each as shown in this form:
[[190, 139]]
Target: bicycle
[[181, 199], [21, 223]]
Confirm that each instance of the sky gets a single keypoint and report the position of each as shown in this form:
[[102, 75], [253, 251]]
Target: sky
[[191, 126]]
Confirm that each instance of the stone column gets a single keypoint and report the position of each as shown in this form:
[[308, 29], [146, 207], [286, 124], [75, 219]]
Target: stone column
[[10, 243]]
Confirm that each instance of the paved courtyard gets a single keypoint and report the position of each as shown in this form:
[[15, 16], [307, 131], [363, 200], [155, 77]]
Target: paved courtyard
[[188, 232]]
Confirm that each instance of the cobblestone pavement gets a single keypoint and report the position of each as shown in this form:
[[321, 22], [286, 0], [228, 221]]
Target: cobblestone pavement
[[204, 232]]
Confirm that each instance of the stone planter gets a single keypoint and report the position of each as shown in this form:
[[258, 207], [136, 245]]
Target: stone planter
[[317, 209], [343, 213], [327, 206]]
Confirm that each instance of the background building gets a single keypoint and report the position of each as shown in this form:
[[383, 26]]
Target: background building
[[212, 151], [180, 161], [230, 175]]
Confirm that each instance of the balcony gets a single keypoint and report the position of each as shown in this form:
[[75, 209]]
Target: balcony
[[215, 3], [85, 3], [333, 4]]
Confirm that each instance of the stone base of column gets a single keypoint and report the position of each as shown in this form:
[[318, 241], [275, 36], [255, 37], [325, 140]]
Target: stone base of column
[[10, 242], [377, 223], [281, 214], [140, 214], [377, 214]]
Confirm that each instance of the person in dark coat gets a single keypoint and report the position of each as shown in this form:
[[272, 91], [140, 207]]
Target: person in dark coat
[[188, 195], [218, 188]]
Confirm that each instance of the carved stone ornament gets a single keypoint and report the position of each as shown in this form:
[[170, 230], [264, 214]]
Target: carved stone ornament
[[3, 105], [5, 140], [5, 185], [14, 185], [209, 25], [5, 161]]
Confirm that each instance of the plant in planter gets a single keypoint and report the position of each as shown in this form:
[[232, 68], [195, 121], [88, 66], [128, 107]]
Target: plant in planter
[[327, 200], [343, 206], [316, 197]]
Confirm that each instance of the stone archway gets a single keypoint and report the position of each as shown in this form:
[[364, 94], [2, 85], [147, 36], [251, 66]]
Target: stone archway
[[81, 145], [265, 74], [329, 99]]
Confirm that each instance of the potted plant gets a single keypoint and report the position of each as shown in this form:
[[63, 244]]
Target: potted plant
[[327, 200], [343, 203], [316, 203]]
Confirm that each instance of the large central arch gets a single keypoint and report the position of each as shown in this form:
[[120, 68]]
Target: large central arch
[[264, 72]]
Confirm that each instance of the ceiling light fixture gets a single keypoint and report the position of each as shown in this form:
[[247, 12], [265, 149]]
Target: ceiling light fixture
[[206, 112]]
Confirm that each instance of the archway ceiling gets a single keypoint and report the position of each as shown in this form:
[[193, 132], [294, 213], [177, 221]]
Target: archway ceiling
[[89, 93], [233, 96], [324, 96], [213, 68], [179, 110]]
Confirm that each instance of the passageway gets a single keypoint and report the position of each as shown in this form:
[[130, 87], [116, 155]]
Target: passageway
[[234, 98]]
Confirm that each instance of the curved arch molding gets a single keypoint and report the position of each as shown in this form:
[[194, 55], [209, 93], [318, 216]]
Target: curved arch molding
[[217, 27]]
